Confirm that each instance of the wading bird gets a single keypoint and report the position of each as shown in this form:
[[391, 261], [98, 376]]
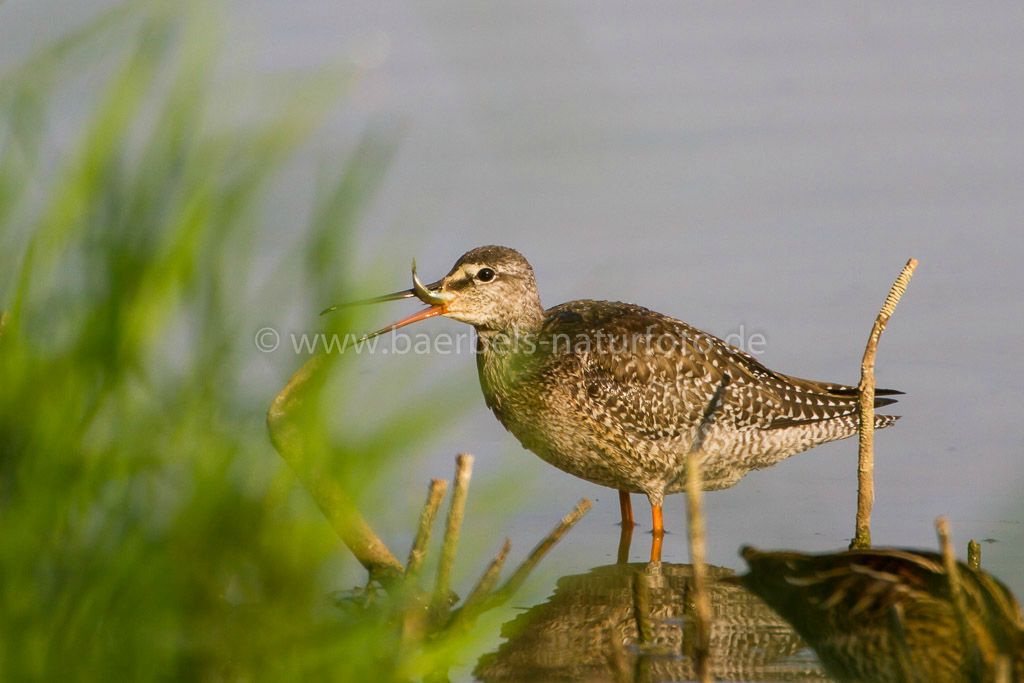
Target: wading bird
[[618, 394]]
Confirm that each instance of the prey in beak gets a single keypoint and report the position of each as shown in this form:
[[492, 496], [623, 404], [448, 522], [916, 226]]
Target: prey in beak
[[431, 295]]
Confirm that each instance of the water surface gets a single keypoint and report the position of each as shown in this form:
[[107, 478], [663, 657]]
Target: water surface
[[746, 168]]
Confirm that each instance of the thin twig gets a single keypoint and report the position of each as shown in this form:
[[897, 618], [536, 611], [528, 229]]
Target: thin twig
[[473, 603], [489, 579], [539, 551], [1004, 669], [418, 552], [4, 317], [953, 576], [707, 419], [973, 554], [866, 396], [289, 440], [696, 536], [701, 600], [456, 513]]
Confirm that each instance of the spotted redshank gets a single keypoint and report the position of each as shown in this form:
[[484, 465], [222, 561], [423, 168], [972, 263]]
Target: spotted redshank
[[620, 395]]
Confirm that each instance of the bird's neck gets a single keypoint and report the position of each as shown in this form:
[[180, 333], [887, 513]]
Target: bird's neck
[[504, 360], [507, 349], [522, 322], [506, 353]]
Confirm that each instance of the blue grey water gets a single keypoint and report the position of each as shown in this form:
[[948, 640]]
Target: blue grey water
[[749, 168]]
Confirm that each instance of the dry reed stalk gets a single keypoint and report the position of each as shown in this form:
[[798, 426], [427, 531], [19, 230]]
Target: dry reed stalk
[[539, 551], [453, 528], [1004, 670], [953, 576], [973, 554], [866, 395], [418, 552], [477, 597], [701, 599], [695, 534]]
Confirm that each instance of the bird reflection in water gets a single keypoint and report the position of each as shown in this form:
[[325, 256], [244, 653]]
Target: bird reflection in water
[[888, 615], [633, 622]]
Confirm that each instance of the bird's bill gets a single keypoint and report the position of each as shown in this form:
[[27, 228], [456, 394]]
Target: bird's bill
[[429, 294], [414, 318], [394, 296]]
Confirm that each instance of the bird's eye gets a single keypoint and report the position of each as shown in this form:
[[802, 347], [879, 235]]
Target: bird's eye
[[485, 275]]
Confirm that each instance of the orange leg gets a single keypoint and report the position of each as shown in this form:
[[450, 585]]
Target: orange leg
[[626, 508], [659, 524], [659, 533]]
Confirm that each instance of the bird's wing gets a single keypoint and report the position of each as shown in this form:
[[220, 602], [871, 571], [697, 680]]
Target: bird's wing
[[640, 372], [658, 377]]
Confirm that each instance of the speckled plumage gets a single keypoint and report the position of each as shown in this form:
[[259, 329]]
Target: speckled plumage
[[618, 394]]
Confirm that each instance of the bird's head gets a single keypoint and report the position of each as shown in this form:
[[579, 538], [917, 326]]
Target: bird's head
[[491, 288]]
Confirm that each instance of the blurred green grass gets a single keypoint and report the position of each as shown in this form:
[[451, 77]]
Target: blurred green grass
[[147, 529]]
